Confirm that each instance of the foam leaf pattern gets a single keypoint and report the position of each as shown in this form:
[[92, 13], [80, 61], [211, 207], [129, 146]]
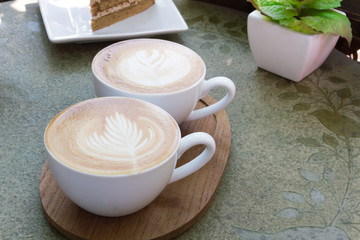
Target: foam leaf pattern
[[121, 137], [154, 67]]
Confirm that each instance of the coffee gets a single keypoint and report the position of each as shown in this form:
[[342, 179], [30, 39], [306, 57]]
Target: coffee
[[112, 136], [148, 66]]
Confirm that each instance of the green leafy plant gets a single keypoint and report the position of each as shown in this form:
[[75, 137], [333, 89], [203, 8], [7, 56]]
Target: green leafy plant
[[307, 16]]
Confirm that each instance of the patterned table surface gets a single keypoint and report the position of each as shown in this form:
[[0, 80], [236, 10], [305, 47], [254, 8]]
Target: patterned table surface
[[294, 164]]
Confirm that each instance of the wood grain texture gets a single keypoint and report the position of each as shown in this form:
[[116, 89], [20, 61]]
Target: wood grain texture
[[175, 210]]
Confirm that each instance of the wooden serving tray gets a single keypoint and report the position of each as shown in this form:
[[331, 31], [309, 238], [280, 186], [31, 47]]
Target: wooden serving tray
[[171, 213]]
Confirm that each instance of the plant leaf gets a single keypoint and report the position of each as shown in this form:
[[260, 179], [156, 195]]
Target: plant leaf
[[309, 176], [329, 175], [288, 213], [323, 4], [225, 49], [336, 80], [337, 123], [301, 107], [297, 25], [309, 142], [293, 196], [194, 20], [302, 88], [328, 21], [234, 33], [344, 93], [317, 158], [276, 10], [307, 16], [209, 37], [317, 196], [330, 140], [288, 96], [255, 4], [297, 3]]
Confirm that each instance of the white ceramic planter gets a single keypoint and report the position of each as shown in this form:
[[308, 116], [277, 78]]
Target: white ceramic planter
[[287, 53]]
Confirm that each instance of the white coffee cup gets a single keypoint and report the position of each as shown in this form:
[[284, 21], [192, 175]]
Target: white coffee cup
[[162, 72], [113, 156]]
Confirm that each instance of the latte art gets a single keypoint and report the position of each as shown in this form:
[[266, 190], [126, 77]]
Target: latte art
[[121, 140], [112, 136], [148, 66], [151, 68]]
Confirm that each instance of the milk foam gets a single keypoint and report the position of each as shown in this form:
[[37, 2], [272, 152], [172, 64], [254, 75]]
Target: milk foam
[[149, 66], [112, 136], [122, 139]]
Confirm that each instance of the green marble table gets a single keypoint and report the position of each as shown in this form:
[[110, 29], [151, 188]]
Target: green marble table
[[294, 164]]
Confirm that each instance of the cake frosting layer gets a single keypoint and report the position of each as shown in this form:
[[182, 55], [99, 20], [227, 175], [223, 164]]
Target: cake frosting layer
[[120, 6], [107, 12]]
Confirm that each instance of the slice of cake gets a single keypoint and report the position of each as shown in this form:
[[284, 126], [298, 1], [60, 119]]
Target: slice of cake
[[107, 12]]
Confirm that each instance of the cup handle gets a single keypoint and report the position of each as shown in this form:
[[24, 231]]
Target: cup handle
[[186, 143], [207, 86]]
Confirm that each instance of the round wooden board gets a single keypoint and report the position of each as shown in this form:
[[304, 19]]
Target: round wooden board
[[175, 210]]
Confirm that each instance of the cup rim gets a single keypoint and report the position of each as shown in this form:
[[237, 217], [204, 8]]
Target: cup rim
[[147, 94], [48, 151]]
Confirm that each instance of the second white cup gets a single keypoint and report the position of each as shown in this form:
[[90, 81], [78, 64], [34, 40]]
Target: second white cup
[[161, 72]]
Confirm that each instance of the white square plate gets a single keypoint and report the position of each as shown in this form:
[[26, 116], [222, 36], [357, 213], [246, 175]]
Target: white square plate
[[69, 21]]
